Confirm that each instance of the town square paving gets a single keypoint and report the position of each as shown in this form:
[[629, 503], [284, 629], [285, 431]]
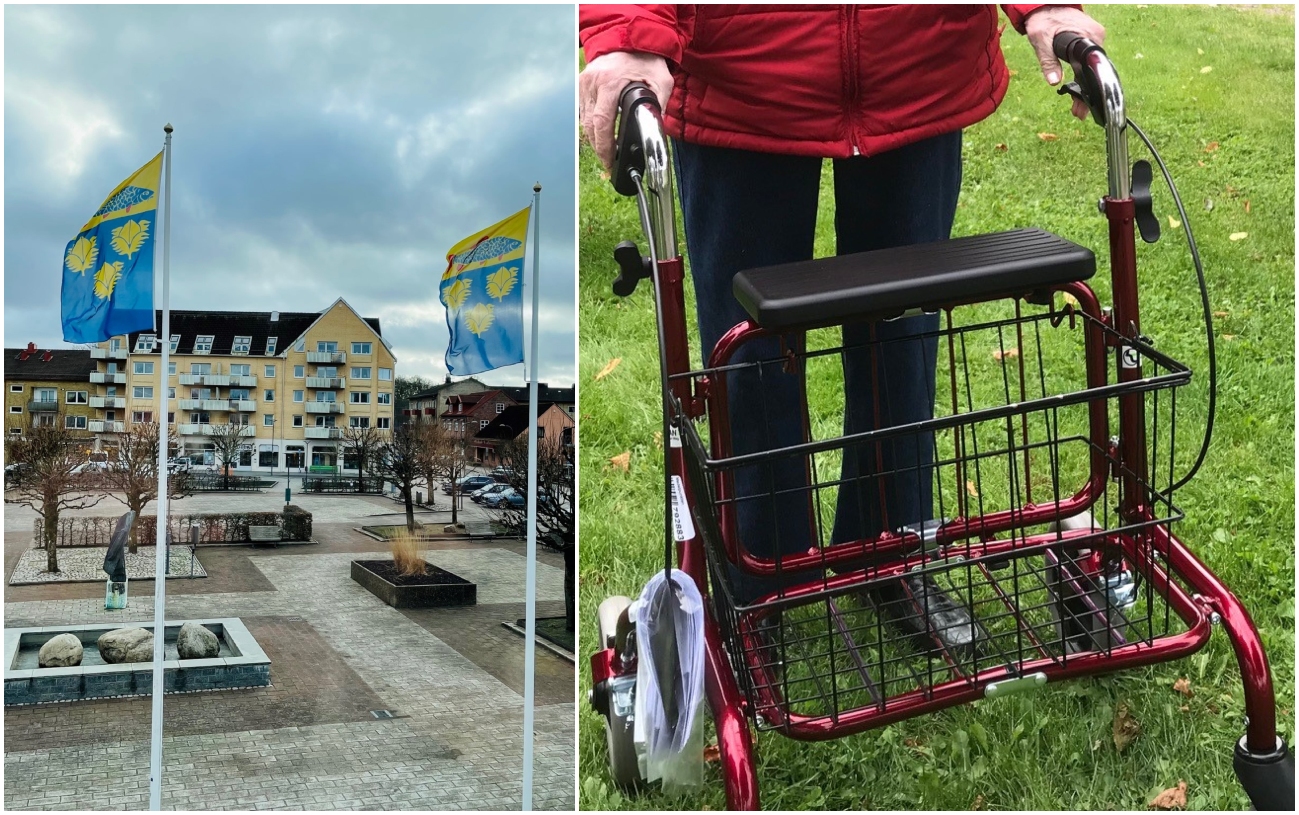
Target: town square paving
[[337, 653]]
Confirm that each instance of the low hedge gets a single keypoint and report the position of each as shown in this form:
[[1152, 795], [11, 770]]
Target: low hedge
[[228, 527]]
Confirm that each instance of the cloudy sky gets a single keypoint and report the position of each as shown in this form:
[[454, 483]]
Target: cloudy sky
[[320, 152]]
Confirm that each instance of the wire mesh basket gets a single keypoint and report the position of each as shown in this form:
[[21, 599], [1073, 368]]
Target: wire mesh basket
[[1026, 548]]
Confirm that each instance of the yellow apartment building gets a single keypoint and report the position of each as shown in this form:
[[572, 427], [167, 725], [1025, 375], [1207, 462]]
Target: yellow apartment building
[[43, 386], [294, 380]]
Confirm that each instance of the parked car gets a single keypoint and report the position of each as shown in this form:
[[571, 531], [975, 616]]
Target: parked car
[[180, 464], [490, 489], [507, 497], [94, 465], [469, 484]]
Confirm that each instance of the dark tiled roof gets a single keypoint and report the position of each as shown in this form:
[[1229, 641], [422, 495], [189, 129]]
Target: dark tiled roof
[[545, 393], [510, 422], [224, 326], [71, 365]]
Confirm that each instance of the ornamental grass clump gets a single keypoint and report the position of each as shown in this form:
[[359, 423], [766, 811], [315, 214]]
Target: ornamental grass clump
[[407, 555]]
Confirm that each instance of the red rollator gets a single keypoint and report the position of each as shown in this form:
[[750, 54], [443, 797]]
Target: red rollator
[[1048, 461]]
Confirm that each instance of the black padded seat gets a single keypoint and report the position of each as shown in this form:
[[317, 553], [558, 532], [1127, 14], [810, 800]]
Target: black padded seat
[[888, 282]]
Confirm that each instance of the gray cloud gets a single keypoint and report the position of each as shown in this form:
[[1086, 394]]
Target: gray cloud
[[319, 152]]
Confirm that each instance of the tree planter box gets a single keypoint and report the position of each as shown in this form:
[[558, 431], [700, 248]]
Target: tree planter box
[[437, 587]]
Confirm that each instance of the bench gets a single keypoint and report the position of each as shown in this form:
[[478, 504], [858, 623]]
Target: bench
[[264, 534]]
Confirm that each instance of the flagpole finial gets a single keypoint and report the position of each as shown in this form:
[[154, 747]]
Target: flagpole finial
[[167, 128], [536, 187]]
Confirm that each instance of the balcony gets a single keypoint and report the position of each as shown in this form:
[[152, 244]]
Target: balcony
[[108, 379], [243, 404], [43, 407], [243, 381], [326, 382], [209, 429], [323, 432], [324, 407], [327, 357], [97, 426], [214, 404], [107, 402], [213, 380], [189, 404], [105, 353]]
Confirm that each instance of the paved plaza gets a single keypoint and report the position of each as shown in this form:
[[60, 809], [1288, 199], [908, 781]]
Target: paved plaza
[[451, 678]]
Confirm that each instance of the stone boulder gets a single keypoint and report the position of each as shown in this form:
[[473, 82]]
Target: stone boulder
[[454, 529], [63, 651], [196, 642], [126, 645]]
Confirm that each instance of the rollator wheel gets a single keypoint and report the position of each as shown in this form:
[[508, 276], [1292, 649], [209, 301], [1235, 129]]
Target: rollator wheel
[[1268, 779], [619, 722]]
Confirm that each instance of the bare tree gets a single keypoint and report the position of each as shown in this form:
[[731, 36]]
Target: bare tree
[[443, 456], [227, 441], [135, 472], [554, 487], [363, 443], [42, 473], [398, 460]]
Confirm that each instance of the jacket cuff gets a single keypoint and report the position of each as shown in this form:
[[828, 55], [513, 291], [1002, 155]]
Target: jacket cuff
[[1017, 12], [638, 34]]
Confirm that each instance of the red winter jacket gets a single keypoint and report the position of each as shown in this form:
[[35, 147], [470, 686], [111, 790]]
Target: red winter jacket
[[830, 81]]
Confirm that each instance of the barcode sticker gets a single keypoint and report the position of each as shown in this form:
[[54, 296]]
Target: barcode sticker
[[674, 436], [683, 526]]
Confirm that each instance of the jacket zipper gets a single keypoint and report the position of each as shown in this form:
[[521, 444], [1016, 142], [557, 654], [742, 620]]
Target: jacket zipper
[[851, 47]]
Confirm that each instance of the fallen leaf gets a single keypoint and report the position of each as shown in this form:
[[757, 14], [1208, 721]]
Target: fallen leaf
[[604, 176], [712, 753], [1071, 300], [1206, 69], [1126, 728], [1208, 202], [1009, 353], [1174, 798], [1173, 223], [658, 438], [1210, 147], [1185, 709], [622, 461], [608, 368], [1238, 236], [1246, 206], [1183, 686], [1096, 745], [1002, 147], [979, 801], [1047, 136], [1139, 55], [1200, 51], [969, 487], [1221, 314], [1229, 337], [1202, 164], [1013, 72]]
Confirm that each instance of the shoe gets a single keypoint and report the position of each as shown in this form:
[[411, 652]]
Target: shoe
[[918, 606]]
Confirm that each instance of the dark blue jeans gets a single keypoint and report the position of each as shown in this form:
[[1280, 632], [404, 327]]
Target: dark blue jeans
[[744, 210]]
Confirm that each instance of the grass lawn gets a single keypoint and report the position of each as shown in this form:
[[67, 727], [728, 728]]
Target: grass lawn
[[1214, 89]]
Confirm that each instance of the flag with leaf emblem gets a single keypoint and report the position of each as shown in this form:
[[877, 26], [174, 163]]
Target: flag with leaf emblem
[[482, 290], [108, 266]]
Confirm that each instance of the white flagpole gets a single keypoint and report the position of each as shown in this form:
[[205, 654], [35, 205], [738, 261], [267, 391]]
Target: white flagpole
[[160, 559], [529, 647]]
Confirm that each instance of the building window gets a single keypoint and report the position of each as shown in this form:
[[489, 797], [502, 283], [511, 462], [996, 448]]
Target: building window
[[267, 456], [45, 395], [500, 407], [541, 432], [299, 371], [360, 397], [360, 373], [141, 392], [15, 388], [359, 421], [200, 368], [74, 422], [383, 423], [203, 344], [241, 370], [297, 420], [246, 457], [267, 420], [199, 418], [483, 423], [171, 418], [44, 420], [171, 393], [270, 347], [298, 396], [384, 398], [361, 348], [268, 395], [327, 347], [239, 394], [326, 372], [15, 431], [325, 396], [171, 369], [241, 346], [269, 371], [76, 397], [175, 341], [15, 408], [142, 368], [115, 343], [300, 345], [144, 343], [142, 416], [385, 374]]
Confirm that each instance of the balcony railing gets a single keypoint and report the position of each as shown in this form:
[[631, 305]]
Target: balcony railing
[[327, 357], [243, 404], [108, 401], [217, 380], [243, 381], [107, 353], [189, 404], [326, 382], [324, 407], [209, 429], [43, 406], [99, 378], [214, 404], [324, 432], [97, 426]]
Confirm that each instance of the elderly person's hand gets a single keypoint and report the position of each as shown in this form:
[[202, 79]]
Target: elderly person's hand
[[1042, 25], [601, 84]]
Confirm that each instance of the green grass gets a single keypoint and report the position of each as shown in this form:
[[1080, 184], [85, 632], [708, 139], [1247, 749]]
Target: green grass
[[1053, 749]]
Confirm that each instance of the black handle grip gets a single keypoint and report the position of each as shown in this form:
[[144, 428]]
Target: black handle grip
[[1073, 48], [628, 154]]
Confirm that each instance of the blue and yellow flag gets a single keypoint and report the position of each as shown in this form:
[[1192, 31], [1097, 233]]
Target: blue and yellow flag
[[482, 290], [108, 266]]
